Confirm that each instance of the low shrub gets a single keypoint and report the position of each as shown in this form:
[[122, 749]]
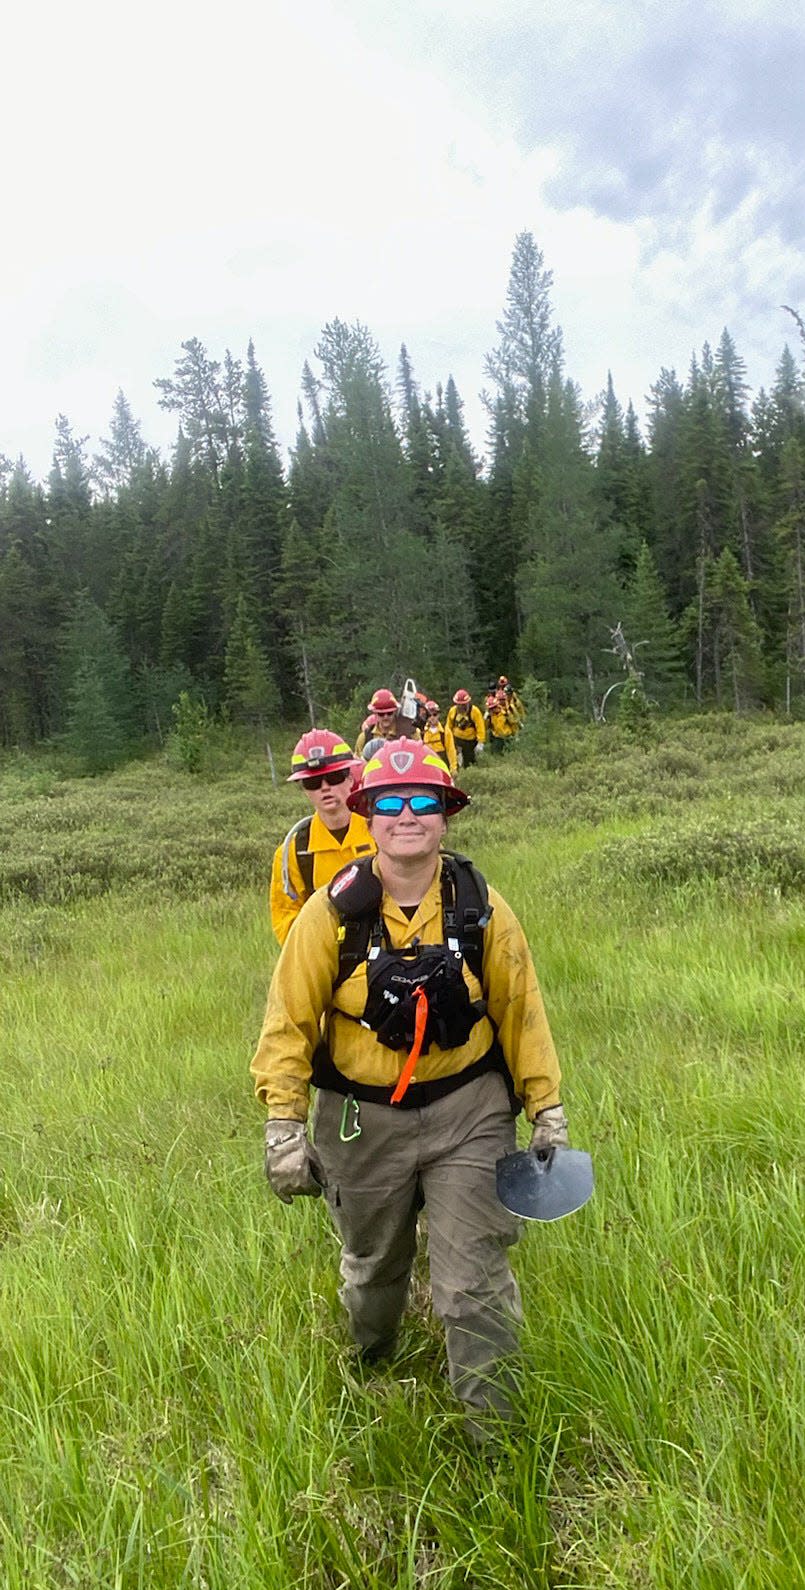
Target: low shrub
[[757, 855]]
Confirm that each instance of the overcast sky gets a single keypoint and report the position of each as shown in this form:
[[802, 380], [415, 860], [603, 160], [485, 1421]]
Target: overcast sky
[[254, 170]]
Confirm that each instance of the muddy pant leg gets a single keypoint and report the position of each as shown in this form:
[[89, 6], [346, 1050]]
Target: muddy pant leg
[[373, 1197], [469, 1232]]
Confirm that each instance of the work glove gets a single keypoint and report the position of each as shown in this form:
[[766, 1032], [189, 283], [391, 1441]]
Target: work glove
[[480, 747], [292, 1165], [550, 1130]]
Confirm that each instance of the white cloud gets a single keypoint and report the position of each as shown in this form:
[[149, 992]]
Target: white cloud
[[176, 174]]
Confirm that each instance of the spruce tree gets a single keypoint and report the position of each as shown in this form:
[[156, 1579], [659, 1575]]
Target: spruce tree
[[93, 734], [249, 691], [122, 452], [652, 630]]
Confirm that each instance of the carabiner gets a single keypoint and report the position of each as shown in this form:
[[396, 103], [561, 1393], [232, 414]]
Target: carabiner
[[347, 1136]]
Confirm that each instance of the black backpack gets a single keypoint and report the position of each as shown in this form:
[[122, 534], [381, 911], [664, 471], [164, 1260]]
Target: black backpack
[[356, 893]]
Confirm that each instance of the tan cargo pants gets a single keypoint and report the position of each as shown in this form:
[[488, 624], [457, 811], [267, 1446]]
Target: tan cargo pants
[[441, 1157]]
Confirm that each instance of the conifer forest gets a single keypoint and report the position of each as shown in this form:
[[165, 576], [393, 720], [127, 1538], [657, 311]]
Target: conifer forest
[[386, 547]]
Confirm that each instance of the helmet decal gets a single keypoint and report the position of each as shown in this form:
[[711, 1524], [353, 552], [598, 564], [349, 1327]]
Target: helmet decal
[[401, 761], [316, 753]]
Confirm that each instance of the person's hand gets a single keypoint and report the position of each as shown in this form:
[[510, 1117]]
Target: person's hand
[[292, 1165], [480, 748], [550, 1130]]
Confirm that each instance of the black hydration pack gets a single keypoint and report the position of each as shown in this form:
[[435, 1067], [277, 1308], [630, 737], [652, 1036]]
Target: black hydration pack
[[396, 978]]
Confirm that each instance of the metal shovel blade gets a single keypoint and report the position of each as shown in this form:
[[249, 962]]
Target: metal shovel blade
[[545, 1185]]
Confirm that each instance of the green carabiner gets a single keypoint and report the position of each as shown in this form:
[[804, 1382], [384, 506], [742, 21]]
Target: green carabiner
[[346, 1136]]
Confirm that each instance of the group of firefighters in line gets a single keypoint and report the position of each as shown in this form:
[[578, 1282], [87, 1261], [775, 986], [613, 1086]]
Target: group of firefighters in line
[[320, 844], [465, 730], [391, 942]]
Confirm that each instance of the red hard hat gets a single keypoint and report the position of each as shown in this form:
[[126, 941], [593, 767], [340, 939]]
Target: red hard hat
[[320, 751], [503, 680], [462, 698], [384, 701], [431, 706], [406, 762]]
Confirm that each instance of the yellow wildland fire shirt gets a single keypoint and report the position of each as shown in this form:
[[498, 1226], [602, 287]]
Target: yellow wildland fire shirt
[[502, 723], [301, 998], [466, 724], [440, 740], [328, 858]]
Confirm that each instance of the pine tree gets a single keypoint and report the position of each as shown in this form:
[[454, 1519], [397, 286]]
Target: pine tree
[[738, 662], [249, 690], [569, 590], [197, 393], [651, 628], [93, 735], [790, 537], [615, 483], [89, 638], [122, 452], [69, 506], [529, 346]]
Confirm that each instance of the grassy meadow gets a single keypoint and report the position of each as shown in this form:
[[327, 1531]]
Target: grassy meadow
[[178, 1402]]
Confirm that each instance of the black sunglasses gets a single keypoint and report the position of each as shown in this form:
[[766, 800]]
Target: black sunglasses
[[317, 779]]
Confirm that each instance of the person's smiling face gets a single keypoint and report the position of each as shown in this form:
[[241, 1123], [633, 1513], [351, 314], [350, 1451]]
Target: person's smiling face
[[407, 835]]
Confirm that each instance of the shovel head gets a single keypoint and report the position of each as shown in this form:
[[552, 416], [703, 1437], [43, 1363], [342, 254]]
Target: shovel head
[[544, 1185]]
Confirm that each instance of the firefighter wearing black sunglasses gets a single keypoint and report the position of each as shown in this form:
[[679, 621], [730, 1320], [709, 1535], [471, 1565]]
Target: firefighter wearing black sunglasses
[[407, 996], [319, 845]]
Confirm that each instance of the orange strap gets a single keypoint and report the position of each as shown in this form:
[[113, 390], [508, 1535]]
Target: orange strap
[[420, 1022]]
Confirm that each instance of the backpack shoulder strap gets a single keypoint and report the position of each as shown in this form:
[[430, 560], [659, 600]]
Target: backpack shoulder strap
[[297, 839], [356, 894], [472, 908]]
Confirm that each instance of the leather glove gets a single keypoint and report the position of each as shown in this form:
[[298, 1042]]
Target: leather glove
[[292, 1165], [550, 1130]]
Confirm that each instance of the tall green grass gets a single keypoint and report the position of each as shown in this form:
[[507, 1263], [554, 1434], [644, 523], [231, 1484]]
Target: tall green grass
[[178, 1401]]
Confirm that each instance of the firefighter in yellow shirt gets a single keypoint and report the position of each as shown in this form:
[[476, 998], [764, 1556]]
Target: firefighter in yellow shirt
[[318, 846], [515, 703], [412, 949], [440, 739], [502, 722], [466, 724]]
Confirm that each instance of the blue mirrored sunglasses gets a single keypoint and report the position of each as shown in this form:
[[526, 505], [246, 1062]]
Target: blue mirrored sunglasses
[[422, 805]]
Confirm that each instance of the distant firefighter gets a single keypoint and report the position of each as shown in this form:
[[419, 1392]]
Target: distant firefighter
[[466, 724]]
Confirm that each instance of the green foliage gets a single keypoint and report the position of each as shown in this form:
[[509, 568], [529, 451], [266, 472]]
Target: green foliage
[[652, 631], [93, 736], [635, 714], [180, 1405], [758, 855], [386, 547], [90, 643], [251, 694], [188, 741]]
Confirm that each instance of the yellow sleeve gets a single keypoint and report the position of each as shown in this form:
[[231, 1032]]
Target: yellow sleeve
[[514, 1003], [450, 746], [480, 726], [360, 743], [300, 993], [284, 910]]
